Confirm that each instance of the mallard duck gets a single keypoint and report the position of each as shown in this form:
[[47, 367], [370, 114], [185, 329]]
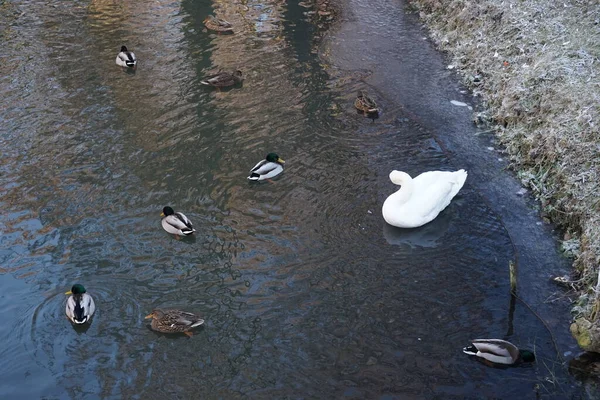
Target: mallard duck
[[365, 104], [421, 199], [174, 321], [215, 24], [498, 351], [268, 168], [80, 305], [126, 58], [176, 222], [223, 79]]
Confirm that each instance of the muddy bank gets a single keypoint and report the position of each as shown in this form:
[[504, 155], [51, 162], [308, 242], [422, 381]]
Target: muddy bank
[[534, 65]]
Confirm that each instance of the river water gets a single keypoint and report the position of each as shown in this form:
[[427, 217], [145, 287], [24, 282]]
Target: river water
[[305, 291]]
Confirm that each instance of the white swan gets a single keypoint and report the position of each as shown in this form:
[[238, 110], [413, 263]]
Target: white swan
[[421, 199]]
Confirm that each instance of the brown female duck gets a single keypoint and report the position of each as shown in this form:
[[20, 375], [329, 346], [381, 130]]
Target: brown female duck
[[174, 321], [223, 79], [219, 25], [365, 103]]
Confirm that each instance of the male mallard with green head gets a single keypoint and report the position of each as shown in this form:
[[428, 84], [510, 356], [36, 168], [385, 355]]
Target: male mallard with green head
[[176, 222], [80, 305], [499, 351], [126, 58], [268, 168]]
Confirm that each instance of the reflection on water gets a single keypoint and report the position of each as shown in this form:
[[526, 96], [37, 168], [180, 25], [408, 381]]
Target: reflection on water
[[428, 235], [301, 292]]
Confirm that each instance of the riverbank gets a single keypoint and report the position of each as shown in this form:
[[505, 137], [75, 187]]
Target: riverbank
[[534, 64]]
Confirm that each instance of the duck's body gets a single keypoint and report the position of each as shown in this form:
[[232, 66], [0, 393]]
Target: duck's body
[[176, 223], [421, 199], [126, 58], [498, 351], [174, 321], [365, 103], [268, 168], [216, 24], [223, 79], [80, 305]]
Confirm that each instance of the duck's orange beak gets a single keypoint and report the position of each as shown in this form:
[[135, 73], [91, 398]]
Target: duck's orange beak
[[69, 292], [162, 214], [279, 160], [149, 316]]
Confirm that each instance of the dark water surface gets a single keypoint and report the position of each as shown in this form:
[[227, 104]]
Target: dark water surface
[[305, 290]]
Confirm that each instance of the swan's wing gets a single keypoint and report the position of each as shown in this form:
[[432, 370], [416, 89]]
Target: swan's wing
[[430, 200], [433, 191], [431, 178]]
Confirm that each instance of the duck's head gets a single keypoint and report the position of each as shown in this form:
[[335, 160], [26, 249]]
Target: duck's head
[[238, 74], [527, 356], [155, 314], [209, 18], [399, 177], [76, 289], [167, 211], [273, 157], [123, 48]]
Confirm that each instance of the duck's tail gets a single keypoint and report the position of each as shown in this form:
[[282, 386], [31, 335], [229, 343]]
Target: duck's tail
[[470, 350], [254, 177], [197, 323]]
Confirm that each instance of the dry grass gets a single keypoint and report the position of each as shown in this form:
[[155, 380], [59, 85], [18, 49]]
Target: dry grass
[[536, 66]]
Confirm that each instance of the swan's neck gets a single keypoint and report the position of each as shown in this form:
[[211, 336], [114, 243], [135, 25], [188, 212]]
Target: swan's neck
[[403, 194]]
